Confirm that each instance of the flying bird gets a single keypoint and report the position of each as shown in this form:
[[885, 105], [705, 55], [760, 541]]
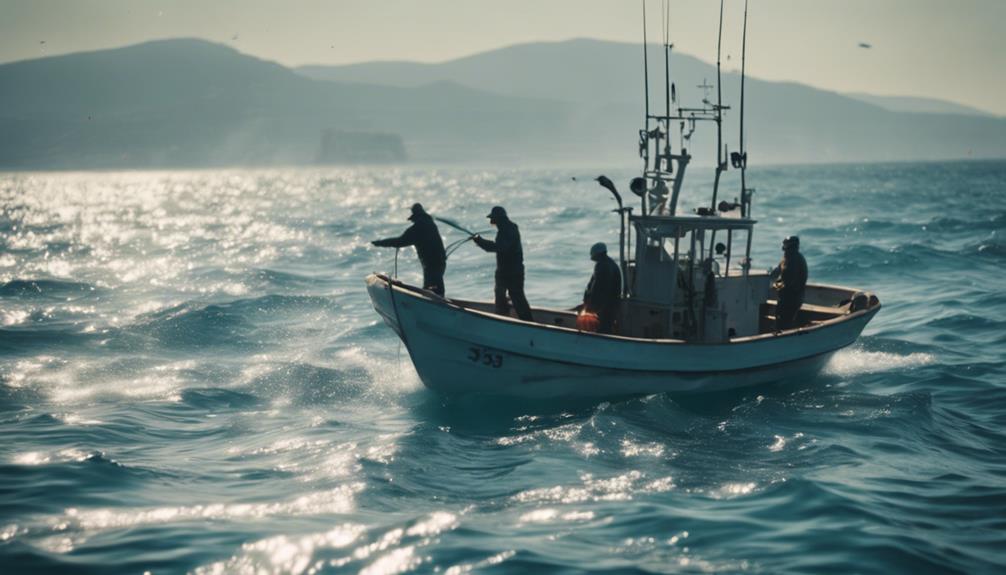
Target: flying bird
[[865, 45]]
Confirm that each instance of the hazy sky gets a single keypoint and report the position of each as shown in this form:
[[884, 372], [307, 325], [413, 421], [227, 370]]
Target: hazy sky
[[949, 49]]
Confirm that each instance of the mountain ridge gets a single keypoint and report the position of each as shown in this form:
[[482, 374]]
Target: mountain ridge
[[789, 122], [190, 102], [895, 103]]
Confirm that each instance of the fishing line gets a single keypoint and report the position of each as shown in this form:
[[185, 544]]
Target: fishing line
[[453, 246], [454, 225], [398, 357]]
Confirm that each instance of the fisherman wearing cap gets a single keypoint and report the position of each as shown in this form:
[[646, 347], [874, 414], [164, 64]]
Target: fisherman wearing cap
[[604, 289], [790, 282], [509, 264], [423, 234]]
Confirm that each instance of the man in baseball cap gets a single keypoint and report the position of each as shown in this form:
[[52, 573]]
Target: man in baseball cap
[[605, 288], [790, 283], [424, 234], [509, 264]]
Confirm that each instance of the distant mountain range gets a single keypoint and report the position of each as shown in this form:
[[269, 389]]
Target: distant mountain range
[[919, 105], [193, 103], [177, 103]]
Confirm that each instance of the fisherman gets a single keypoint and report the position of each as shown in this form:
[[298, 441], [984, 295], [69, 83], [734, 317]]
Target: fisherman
[[509, 264], [790, 282], [605, 288], [423, 234]]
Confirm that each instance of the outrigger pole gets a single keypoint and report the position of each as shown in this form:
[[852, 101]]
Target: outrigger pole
[[745, 200], [720, 164], [667, 67], [745, 192], [667, 90], [645, 135]]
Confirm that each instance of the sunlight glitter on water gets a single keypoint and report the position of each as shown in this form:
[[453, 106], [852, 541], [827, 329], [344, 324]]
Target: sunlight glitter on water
[[42, 458], [617, 488], [285, 554], [550, 515], [731, 490], [487, 562], [13, 317], [303, 554], [338, 500], [232, 349], [633, 449]]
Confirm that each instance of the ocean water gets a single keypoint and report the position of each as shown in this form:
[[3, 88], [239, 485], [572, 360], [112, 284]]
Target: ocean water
[[192, 379]]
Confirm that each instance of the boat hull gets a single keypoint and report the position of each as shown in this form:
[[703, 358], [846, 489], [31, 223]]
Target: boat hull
[[457, 350]]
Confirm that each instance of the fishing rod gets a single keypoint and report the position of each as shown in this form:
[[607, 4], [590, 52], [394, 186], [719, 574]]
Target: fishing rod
[[454, 225], [453, 246]]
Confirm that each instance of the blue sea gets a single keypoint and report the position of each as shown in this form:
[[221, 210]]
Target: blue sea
[[193, 380]]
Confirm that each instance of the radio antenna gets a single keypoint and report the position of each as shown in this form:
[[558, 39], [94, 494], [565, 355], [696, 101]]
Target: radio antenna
[[719, 113], [644, 135], [646, 73], [743, 147], [667, 84]]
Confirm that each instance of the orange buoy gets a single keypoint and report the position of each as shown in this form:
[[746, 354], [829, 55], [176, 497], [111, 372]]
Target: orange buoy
[[587, 321]]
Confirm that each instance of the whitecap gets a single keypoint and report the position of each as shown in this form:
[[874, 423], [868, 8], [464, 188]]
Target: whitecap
[[851, 362]]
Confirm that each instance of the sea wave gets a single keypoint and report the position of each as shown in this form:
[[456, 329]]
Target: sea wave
[[194, 380]]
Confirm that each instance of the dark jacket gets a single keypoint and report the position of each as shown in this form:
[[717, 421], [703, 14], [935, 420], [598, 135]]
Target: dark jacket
[[605, 287], [792, 273], [509, 253], [423, 234]]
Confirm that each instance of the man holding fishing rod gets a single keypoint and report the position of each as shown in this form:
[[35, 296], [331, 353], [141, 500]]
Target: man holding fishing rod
[[509, 264], [423, 234]]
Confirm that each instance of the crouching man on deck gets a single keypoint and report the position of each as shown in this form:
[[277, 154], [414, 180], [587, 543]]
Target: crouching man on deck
[[423, 234], [605, 288]]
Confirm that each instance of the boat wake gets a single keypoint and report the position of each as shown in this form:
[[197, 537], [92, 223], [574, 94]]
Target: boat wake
[[852, 362]]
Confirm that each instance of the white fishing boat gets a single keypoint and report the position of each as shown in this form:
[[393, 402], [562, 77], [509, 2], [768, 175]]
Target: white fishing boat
[[694, 317]]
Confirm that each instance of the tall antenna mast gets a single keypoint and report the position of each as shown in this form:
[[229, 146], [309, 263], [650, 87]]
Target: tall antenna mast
[[719, 112], [667, 83], [646, 73], [743, 152], [645, 135]]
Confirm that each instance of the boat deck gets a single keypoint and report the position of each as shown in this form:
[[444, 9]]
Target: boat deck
[[811, 314]]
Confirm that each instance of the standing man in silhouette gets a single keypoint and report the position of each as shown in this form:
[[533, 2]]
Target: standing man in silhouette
[[790, 282], [423, 234], [605, 288], [509, 264]]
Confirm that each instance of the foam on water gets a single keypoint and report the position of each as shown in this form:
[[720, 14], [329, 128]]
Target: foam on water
[[852, 362], [192, 379]]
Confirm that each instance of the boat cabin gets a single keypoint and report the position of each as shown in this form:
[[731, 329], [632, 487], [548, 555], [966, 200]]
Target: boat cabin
[[686, 281]]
